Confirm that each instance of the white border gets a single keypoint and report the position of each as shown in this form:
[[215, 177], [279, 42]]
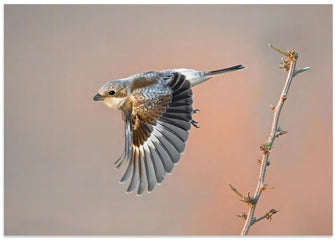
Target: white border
[[135, 2], [168, 2]]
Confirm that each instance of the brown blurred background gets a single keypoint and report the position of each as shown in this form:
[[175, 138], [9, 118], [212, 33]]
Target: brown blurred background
[[60, 145]]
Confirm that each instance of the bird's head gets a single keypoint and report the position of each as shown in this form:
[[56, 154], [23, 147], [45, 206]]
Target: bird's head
[[113, 93]]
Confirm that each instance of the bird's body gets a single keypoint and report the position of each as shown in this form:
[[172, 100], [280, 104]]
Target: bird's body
[[157, 110]]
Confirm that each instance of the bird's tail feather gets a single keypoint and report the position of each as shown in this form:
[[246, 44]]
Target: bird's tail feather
[[224, 70]]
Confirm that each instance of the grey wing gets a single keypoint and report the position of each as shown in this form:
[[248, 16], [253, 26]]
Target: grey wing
[[156, 133]]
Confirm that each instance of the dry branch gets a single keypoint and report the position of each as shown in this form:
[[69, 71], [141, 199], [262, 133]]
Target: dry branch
[[288, 64]]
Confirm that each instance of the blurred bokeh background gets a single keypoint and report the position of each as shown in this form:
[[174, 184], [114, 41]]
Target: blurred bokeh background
[[60, 145]]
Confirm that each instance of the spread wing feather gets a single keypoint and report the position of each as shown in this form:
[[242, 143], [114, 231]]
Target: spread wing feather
[[149, 168], [156, 129]]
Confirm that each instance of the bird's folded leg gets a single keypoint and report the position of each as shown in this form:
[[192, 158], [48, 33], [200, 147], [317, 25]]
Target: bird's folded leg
[[195, 111], [195, 123]]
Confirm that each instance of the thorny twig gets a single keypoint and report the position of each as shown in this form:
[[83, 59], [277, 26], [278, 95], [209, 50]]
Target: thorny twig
[[288, 64]]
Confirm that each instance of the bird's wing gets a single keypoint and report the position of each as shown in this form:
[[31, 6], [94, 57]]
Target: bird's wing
[[156, 130]]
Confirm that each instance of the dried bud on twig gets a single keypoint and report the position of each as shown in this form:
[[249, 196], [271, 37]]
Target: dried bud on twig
[[292, 55], [265, 147], [285, 64], [259, 161], [266, 187], [282, 132], [272, 107], [249, 200], [270, 213]]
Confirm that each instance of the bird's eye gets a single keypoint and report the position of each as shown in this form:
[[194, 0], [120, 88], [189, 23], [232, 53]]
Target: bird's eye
[[112, 93]]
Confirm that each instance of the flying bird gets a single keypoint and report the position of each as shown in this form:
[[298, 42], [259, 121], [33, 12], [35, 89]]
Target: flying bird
[[157, 110]]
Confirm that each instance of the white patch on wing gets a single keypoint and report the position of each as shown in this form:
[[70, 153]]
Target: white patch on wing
[[195, 77], [153, 137]]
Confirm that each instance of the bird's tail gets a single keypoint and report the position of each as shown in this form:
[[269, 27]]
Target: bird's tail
[[197, 77], [224, 70]]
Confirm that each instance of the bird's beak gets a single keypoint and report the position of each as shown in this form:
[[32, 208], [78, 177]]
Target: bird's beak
[[98, 97]]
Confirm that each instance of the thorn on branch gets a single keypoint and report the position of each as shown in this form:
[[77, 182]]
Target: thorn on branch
[[236, 191], [301, 70], [243, 215], [278, 50]]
